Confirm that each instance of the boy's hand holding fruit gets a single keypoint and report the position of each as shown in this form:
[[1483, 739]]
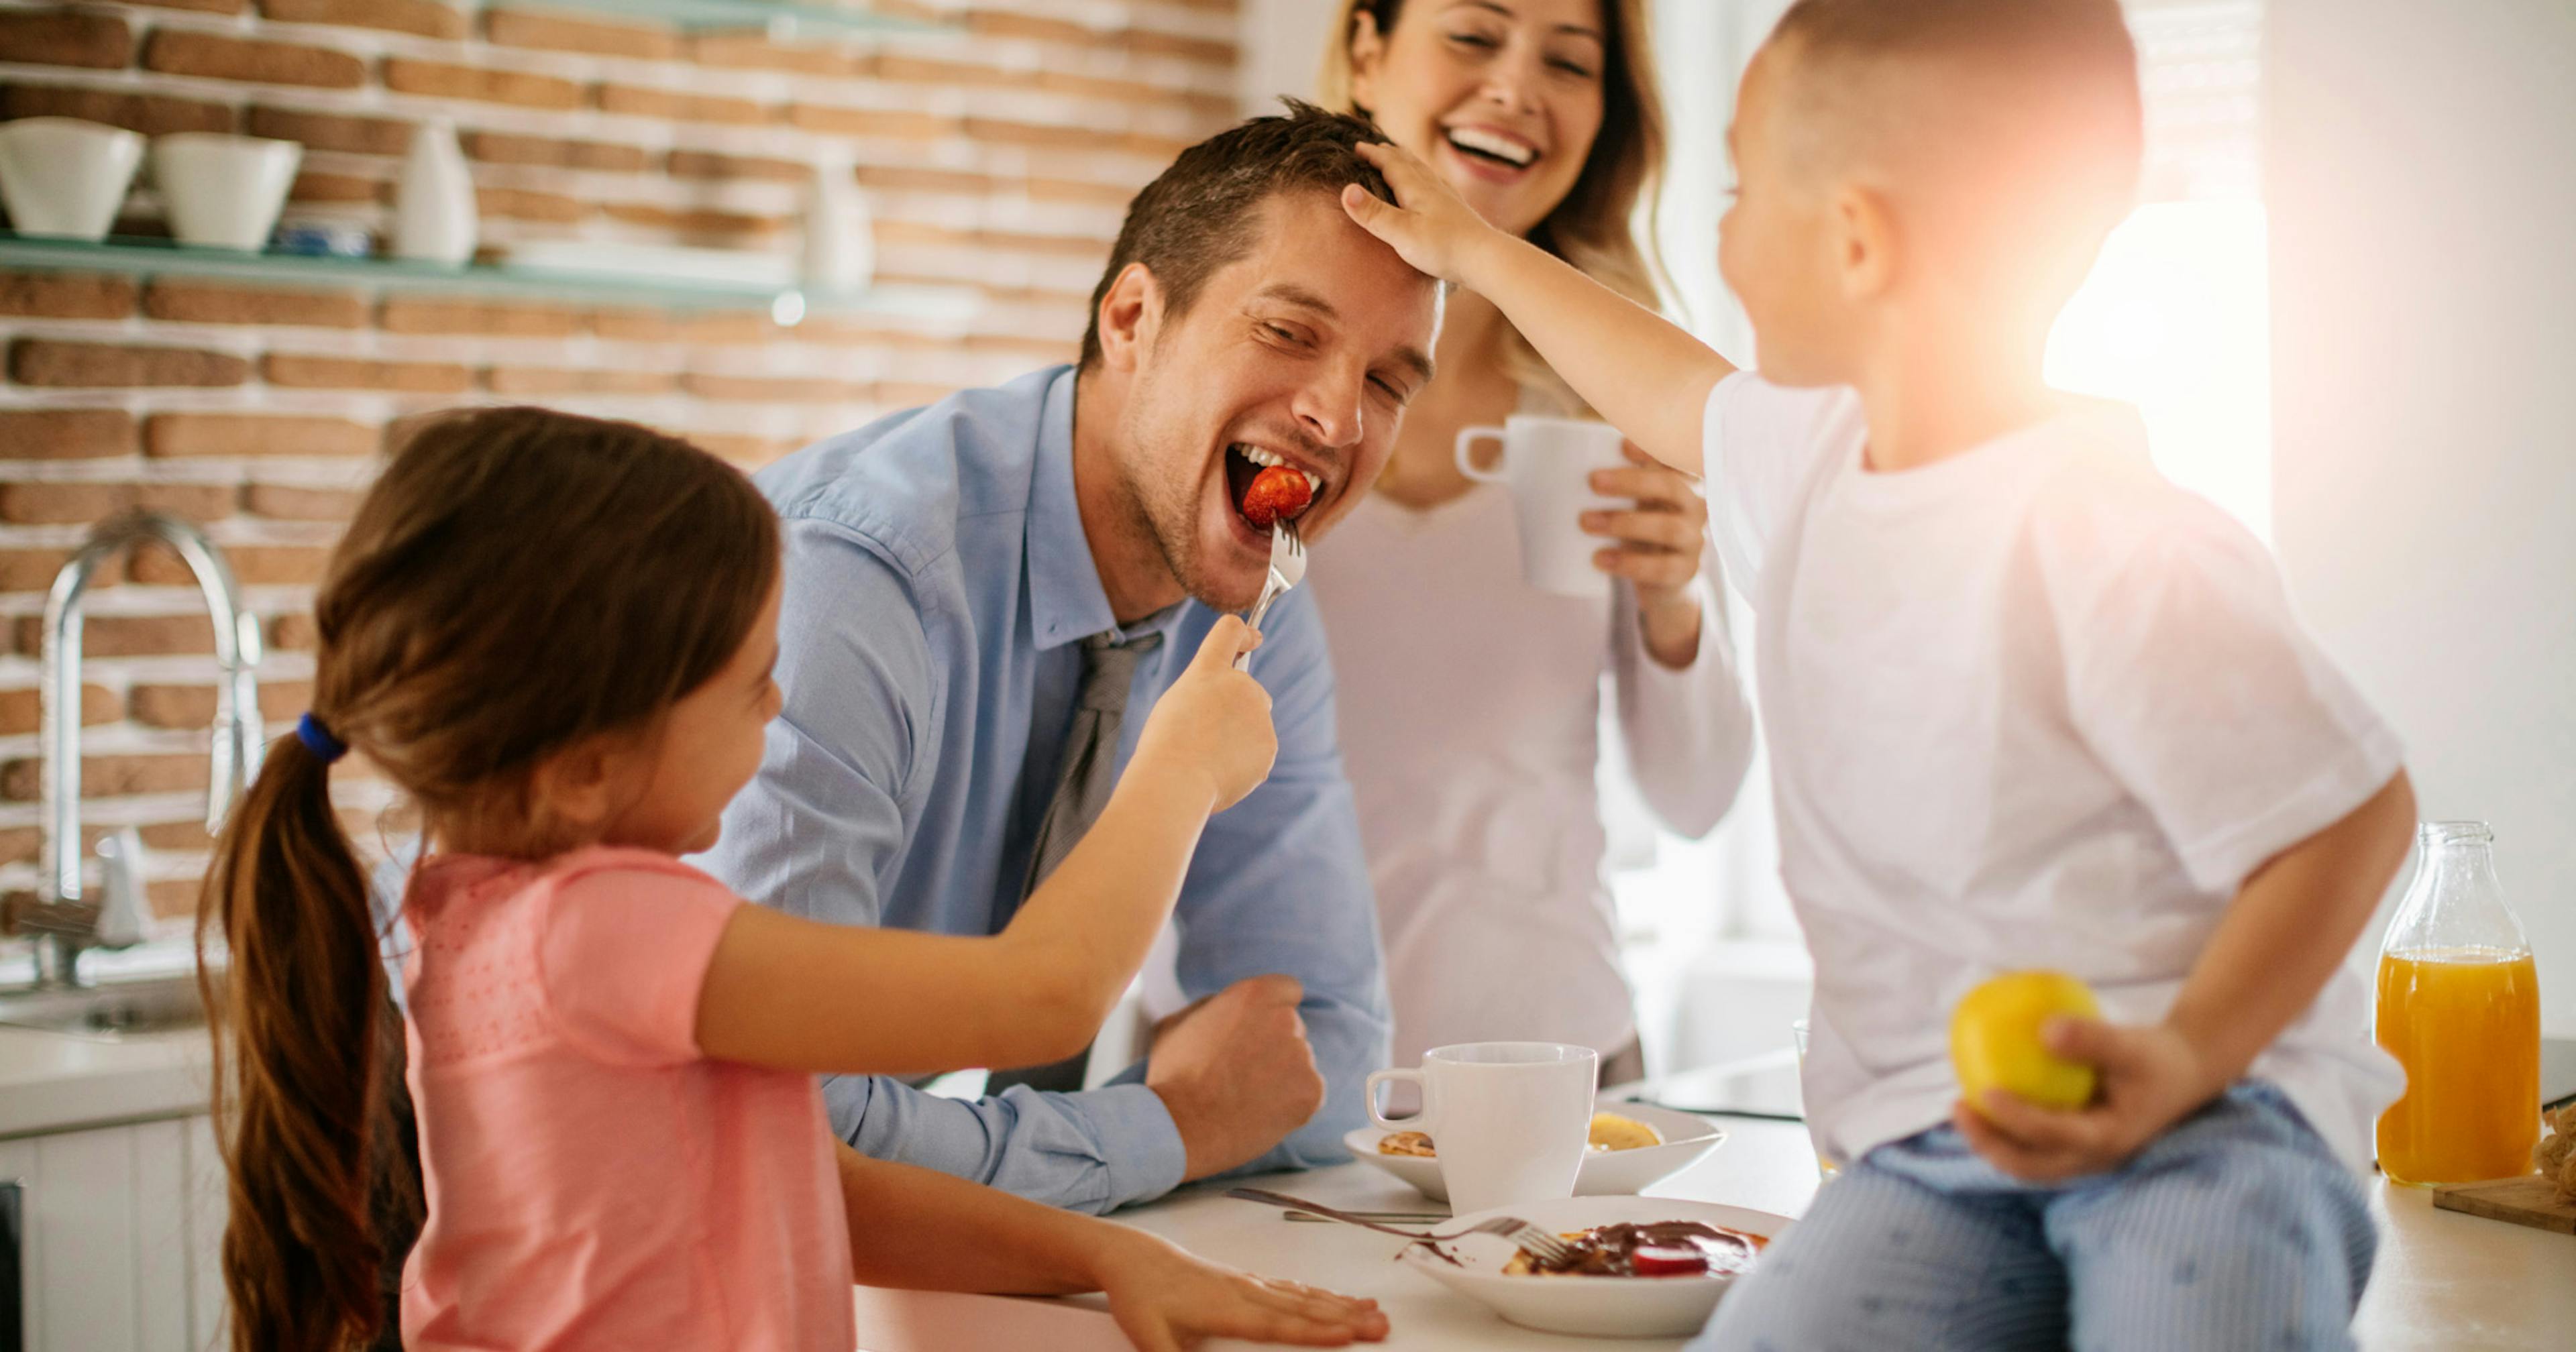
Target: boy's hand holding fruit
[[2049, 1092]]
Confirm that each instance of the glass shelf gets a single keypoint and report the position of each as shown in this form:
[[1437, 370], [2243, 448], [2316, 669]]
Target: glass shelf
[[778, 20], [151, 257]]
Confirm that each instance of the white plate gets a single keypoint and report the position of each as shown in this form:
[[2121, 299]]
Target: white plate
[[1614, 1307], [1605, 1173]]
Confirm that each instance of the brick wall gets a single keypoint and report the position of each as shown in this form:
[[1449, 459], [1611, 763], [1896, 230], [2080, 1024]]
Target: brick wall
[[1001, 160]]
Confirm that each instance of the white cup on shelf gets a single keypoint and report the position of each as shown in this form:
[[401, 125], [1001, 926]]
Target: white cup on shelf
[[1510, 1121], [1548, 464], [223, 191], [63, 178]]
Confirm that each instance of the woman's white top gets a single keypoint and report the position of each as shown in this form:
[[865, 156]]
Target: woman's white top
[[1470, 712]]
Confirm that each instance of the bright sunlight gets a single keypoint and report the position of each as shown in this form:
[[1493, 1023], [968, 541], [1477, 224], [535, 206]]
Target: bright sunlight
[[2176, 320]]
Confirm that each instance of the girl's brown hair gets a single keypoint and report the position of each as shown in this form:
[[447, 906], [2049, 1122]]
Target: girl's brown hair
[[517, 581], [1595, 227]]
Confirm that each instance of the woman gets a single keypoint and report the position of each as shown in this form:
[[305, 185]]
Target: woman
[[1469, 701]]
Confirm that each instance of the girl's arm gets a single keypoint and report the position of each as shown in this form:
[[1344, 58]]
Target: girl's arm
[[801, 995], [923, 1230], [1645, 375]]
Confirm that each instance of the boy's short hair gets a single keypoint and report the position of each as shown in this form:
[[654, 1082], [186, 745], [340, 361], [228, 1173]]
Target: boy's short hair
[[1194, 218], [2040, 110]]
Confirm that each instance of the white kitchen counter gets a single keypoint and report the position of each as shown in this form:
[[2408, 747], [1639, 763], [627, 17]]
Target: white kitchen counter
[[54, 1082], [2444, 1282], [58, 1082]]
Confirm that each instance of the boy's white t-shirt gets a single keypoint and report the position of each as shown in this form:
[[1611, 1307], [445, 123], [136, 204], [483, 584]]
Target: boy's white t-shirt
[[2030, 707]]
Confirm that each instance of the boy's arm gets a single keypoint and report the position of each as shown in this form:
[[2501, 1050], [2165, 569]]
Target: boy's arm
[[1645, 375], [2287, 931]]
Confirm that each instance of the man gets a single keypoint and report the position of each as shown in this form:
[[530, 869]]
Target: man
[[981, 594]]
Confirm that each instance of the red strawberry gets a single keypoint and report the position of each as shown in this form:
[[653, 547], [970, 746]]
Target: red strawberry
[[1654, 1260], [1277, 494]]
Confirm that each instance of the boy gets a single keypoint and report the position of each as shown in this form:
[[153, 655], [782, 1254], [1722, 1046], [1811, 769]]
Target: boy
[[2029, 706]]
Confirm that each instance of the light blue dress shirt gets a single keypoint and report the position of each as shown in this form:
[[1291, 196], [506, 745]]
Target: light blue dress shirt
[[938, 587]]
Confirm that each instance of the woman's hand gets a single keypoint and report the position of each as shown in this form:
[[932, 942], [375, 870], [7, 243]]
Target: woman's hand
[[1659, 542], [1165, 1301], [1428, 225]]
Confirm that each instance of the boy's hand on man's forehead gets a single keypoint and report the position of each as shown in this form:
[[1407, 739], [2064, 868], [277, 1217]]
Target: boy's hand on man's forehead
[[1427, 225]]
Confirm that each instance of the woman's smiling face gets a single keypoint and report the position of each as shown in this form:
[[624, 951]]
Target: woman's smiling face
[[1503, 97]]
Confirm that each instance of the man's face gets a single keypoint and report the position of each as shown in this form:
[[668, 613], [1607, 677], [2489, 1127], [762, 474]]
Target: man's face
[[1774, 246], [1305, 352]]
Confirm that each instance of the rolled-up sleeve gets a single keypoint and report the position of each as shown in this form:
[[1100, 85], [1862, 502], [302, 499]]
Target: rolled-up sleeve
[[821, 832], [1091, 1152]]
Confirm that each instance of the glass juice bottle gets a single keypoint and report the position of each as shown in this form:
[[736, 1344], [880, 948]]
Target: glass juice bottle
[[2459, 1007]]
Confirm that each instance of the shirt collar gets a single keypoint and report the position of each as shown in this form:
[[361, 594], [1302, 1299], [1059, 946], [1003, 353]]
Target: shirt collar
[[1066, 601]]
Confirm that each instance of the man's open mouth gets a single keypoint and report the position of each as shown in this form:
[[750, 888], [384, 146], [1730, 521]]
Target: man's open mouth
[[1265, 488], [1477, 143]]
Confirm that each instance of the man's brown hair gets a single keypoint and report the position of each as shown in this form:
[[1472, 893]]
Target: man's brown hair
[[1193, 219]]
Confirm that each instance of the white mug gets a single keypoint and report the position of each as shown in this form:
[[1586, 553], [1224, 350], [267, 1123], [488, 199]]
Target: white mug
[[223, 191], [63, 178], [1548, 464], [1508, 1121]]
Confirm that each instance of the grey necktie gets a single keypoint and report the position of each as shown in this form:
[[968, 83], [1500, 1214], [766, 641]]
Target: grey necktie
[[1081, 790]]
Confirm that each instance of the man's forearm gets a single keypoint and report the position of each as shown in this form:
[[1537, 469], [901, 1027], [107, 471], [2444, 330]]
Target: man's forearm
[[2289, 928], [1348, 1042], [1091, 1152]]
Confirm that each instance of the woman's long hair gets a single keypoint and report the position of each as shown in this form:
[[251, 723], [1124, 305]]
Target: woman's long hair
[[517, 581], [1596, 227]]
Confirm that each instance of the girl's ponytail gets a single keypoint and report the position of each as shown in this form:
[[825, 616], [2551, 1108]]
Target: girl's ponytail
[[516, 581], [301, 1104]]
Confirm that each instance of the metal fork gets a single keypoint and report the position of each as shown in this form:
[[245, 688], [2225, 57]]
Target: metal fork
[[1530, 1239], [1287, 569]]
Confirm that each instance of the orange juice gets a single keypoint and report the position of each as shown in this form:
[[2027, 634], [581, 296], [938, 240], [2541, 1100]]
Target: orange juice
[[2465, 1022]]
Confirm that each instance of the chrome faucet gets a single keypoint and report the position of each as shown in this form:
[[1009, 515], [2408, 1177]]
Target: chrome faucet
[[62, 922]]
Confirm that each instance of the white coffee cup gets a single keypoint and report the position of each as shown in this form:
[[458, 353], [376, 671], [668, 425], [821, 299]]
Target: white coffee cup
[[1548, 464], [223, 191], [63, 178], [1509, 1120]]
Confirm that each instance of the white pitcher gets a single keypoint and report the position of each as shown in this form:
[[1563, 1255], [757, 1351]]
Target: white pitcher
[[436, 219], [840, 240], [63, 178]]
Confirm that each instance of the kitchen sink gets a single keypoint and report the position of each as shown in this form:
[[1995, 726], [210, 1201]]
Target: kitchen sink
[[109, 1010]]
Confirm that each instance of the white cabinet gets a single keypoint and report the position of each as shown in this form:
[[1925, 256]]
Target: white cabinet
[[120, 1226]]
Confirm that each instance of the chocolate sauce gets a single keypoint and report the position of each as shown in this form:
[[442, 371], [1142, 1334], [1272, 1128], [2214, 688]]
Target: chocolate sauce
[[1611, 1250]]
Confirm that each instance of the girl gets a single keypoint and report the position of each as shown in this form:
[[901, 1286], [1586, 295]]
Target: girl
[[555, 634], [1478, 801]]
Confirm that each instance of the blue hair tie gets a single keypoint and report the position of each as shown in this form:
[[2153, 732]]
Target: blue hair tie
[[318, 739]]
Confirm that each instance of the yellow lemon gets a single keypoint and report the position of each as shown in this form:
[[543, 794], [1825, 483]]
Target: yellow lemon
[[1994, 1039]]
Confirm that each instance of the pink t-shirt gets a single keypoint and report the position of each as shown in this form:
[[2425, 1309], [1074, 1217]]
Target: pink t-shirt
[[594, 1181]]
